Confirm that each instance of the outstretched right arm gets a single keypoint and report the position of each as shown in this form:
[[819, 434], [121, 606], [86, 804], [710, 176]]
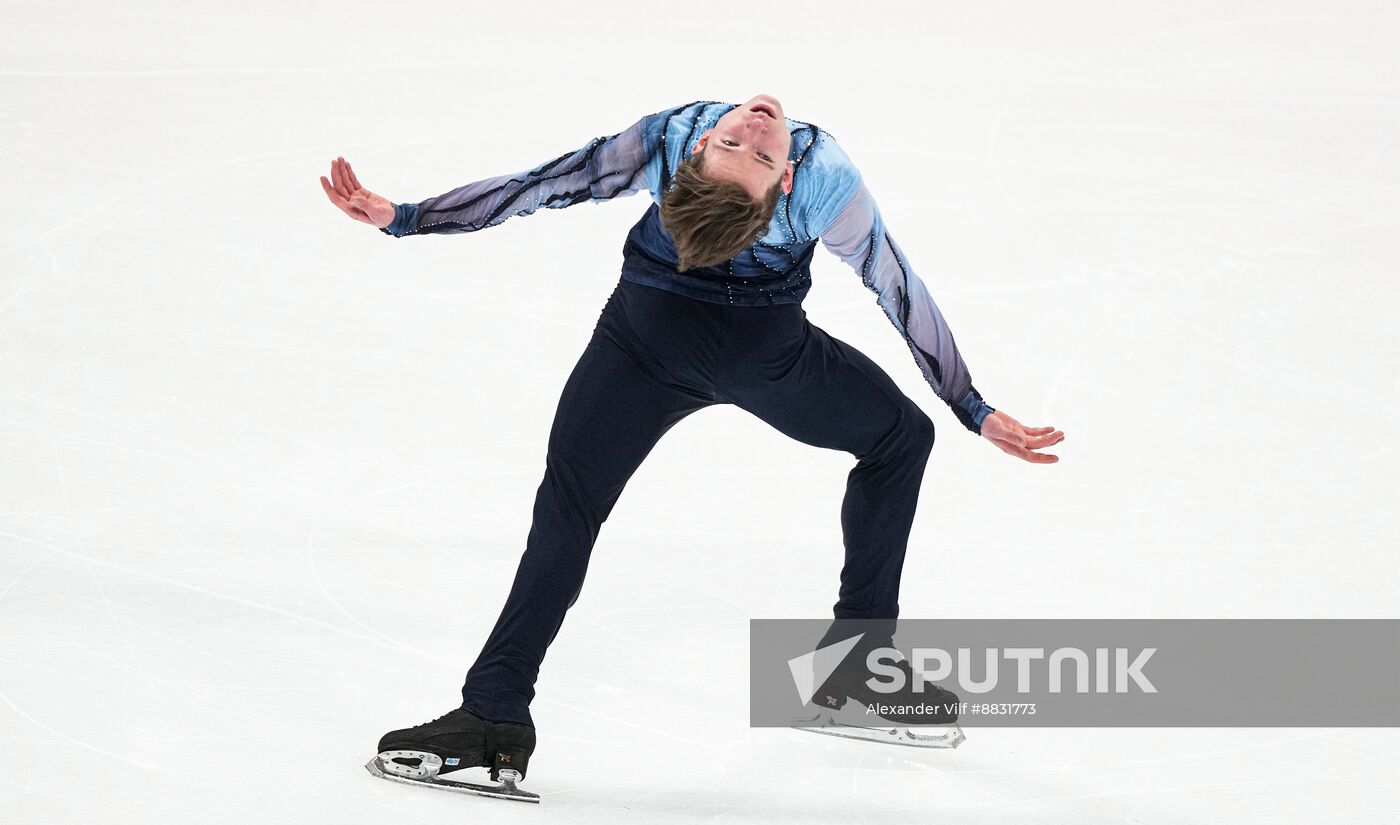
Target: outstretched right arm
[[604, 168]]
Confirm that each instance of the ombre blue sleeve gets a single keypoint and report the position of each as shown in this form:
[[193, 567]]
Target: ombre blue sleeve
[[604, 168], [858, 236]]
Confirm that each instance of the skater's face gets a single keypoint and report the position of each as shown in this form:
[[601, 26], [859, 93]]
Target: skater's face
[[749, 146]]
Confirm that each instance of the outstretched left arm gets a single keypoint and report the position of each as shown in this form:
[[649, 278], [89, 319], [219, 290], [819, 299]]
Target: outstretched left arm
[[858, 236]]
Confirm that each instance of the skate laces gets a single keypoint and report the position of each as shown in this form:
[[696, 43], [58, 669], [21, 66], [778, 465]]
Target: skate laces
[[442, 717]]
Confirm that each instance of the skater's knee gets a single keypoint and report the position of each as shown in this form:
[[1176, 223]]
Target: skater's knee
[[910, 436], [919, 429], [573, 501]]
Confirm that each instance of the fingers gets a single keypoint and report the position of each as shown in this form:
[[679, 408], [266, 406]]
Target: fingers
[[1048, 440], [342, 185], [1028, 455], [1017, 426], [335, 181], [350, 175], [1036, 458], [1026, 452], [344, 205], [1014, 438], [334, 195], [1034, 436]]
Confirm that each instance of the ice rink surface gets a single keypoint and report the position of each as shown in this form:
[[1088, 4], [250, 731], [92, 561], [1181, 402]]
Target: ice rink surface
[[265, 472]]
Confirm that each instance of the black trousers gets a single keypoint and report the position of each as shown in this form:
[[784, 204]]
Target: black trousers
[[654, 358]]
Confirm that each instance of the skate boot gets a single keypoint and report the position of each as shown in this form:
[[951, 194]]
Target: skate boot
[[456, 740], [919, 714]]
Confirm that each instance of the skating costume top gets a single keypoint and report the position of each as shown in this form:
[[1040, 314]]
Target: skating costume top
[[828, 203]]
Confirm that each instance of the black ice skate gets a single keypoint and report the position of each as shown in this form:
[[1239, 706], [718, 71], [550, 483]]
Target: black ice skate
[[916, 715], [459, 739]]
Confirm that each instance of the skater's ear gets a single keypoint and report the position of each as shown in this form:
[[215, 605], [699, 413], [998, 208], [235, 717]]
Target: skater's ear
[[700, 144]]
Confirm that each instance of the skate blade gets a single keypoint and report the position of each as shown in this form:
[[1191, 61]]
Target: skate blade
[[425, 773], [944, 737]]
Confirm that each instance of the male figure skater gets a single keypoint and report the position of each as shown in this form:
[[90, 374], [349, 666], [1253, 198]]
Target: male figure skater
[[707, 311]]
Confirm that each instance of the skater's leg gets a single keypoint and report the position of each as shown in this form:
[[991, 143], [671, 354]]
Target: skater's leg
[[822, 391], [628, 388]]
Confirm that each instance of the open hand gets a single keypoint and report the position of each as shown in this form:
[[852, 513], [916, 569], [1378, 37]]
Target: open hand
[[1019, 440], [345, 192]]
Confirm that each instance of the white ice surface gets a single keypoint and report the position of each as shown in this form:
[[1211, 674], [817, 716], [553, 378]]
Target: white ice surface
[[265, 472]]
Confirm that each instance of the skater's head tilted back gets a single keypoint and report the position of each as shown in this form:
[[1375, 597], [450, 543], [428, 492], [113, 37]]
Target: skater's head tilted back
[[723, 196]]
